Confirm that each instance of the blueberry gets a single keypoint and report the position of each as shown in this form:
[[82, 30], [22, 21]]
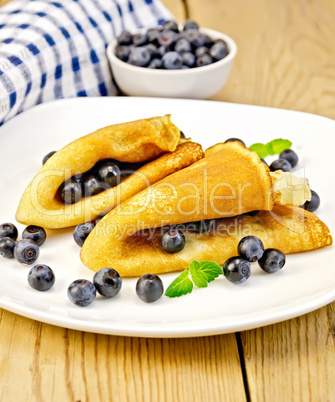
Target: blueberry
[[290, 156], [34, 233], [189, 24], [7, 246], [8, 230], [236, 270], [219, 50], [188, 59], [70, 191], [26, 251], [155, 64], [110, 174], [172, 61], [153, 35], [182, 135], [204, 60], [171, 26], [264, 161], [272, 261], [139, 56], [81, 292], [81, 232], [92, 185], [153, 50], [313, 204], [122, 52], [195, 37], [48, 156], [250, 248], [280, 164], [173, 241], [203, 226], [182, 45], [41, 277], [167, 39], [125, 38], [234, 139], [140, 39], [107, 282], [200, 51], [149, 288]]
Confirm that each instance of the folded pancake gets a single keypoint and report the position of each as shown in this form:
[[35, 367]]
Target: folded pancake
[[289, 229], [229, 182], [155, 139]]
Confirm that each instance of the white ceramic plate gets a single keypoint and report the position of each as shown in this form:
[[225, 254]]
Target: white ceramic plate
[[306, 283]]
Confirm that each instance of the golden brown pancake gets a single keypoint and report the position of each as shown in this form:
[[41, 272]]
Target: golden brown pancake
[[289, 229], [156, 140], [229, 182]]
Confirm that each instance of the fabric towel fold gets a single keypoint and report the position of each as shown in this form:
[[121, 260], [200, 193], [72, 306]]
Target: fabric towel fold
[[57, 49]]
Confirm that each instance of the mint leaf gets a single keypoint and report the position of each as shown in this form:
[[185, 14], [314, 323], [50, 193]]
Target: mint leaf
[[204, 272], [260, 149], [279, 145], [273, 147], [180, 286]]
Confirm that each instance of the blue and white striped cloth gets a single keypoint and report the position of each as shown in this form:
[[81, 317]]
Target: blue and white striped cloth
[[57, 49]]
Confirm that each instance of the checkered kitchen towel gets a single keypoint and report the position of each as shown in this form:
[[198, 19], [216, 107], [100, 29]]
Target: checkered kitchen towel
[[56, 49]]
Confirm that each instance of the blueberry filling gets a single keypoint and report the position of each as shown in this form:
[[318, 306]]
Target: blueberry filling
[[105, 174]]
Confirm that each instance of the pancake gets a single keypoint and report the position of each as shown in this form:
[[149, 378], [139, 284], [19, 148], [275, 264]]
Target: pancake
[[226, 183], [289, 229], [156, 140]]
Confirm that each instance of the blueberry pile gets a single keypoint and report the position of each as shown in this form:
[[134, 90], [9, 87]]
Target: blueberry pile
[[26, 252], [169, 47], [105, 174], [250, 249]]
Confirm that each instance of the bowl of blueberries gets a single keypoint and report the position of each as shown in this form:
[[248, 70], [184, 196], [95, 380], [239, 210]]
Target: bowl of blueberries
[[171, 60]]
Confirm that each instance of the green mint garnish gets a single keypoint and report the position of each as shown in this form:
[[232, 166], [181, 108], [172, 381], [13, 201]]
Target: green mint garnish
[[180, 286], [204, 272], [201, 272], [273, 147]]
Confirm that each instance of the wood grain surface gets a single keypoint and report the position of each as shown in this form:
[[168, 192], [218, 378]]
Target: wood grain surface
[[285, 59]]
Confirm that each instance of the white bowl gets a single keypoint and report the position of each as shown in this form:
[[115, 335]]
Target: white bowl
[[196, 83]]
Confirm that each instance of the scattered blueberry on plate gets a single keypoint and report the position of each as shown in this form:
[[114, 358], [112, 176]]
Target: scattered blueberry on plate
[[81, 292], [34, 233], [26, 251], [41, 277], [81, 232], [237, 270], [272, 260], [250, 248], [149, 288], [107, 282], [8, 230], [7, 246]]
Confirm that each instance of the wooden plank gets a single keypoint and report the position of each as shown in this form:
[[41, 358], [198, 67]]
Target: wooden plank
[[40, 362], [293, 360], [285, 51]]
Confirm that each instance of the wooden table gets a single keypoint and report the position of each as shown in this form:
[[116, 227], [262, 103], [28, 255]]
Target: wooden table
[[286, 60]]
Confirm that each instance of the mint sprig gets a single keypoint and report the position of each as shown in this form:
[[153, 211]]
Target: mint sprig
[[201, 273], [273, 147], [180, 286]]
